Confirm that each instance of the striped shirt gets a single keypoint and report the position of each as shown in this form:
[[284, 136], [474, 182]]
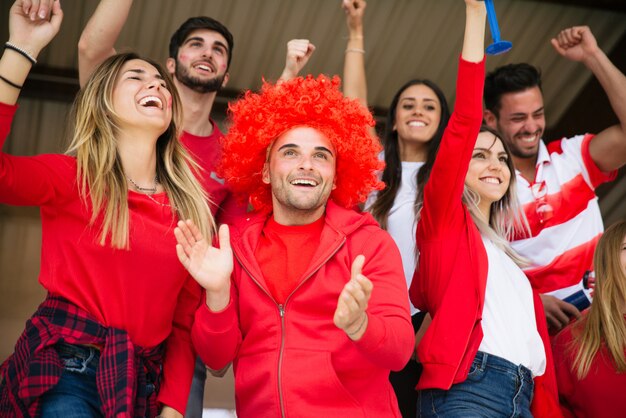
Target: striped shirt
[[563, 214]]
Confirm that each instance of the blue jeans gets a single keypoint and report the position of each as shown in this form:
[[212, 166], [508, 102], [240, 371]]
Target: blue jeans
[[76, 394], [494, 387]]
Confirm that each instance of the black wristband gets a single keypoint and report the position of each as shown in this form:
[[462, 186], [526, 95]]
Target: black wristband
[[9, 45], [10, 83]]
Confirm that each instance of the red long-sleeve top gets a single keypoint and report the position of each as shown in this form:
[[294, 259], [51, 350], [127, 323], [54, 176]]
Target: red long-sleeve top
[[600, 394], [143, 290]]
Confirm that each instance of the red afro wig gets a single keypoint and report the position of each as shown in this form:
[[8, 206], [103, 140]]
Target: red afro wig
[[258, 119]]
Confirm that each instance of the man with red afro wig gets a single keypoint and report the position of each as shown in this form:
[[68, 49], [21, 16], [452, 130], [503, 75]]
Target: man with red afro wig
[[313, 309], [259, 119]]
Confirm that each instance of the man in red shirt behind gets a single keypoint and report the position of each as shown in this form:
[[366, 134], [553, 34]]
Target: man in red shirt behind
[[312, 310]]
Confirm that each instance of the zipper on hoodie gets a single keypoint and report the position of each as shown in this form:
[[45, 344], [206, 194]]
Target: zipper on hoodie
[[281, 401], [281, 313]]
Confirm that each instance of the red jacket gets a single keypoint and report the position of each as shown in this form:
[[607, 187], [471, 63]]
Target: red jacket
[[291, 360], [451, 277]]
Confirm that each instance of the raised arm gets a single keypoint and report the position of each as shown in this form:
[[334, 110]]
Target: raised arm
[[37, 9], [26, 181], [27, 37], [474, 37], [354, 81], [443, 207], [450, 167], [99, 36], [298, 53], [608, 148]]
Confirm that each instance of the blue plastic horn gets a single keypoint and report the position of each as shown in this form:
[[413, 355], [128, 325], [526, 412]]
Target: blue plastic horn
[[498, 46]]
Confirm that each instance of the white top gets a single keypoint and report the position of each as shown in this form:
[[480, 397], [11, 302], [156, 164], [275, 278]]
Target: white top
[[509, 325], [401, 222]]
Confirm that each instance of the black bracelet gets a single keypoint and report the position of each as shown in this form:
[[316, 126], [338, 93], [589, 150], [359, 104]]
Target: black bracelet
[[10, 83], [9, 45]]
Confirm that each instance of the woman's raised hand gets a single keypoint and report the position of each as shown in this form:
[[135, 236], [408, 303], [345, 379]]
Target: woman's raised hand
[[28, 30]]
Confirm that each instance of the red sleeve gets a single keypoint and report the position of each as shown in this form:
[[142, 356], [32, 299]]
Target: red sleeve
[[545, 401], [596, 175], [443, 210], [443, 190], [6, 117], [565, 378], [32, 181], [389, 339], [216, 335], [180, 357]]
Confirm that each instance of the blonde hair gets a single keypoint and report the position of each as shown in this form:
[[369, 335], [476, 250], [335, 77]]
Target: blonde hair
[[604, 324], [506, 216], [100, 174]]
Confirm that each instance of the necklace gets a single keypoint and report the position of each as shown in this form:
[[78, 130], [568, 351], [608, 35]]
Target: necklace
[[147, 190], [165, 205]]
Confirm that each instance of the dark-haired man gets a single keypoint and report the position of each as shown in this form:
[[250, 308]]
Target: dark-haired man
[[200, 53], [557, 181]]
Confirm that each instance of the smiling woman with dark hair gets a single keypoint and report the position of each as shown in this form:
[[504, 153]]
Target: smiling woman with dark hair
[[417, 116]]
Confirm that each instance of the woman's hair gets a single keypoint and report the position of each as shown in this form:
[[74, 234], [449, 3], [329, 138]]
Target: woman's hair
[[100, 174], [604, 324], [392, 174], [259, 118], [506, 216]]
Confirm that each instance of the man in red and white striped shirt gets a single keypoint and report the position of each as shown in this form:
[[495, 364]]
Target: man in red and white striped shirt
[[557, 181]]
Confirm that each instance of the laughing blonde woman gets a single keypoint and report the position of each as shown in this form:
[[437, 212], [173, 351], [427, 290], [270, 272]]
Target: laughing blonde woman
[[113, 335]]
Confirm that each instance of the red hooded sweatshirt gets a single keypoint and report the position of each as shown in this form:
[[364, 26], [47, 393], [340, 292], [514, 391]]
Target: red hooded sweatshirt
[[290, 360]]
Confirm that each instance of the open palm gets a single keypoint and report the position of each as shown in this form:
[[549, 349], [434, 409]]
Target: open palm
[[208, 265]]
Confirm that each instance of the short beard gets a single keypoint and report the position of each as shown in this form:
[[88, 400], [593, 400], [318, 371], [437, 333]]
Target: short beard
[[515, 150], [195, 83], [518, 153]]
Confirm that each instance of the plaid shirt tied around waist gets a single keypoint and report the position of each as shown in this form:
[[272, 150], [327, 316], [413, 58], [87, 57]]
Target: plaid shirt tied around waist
[[35, 367]]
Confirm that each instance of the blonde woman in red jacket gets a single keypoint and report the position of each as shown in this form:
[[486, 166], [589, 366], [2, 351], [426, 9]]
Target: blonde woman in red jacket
[[486, 348]]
